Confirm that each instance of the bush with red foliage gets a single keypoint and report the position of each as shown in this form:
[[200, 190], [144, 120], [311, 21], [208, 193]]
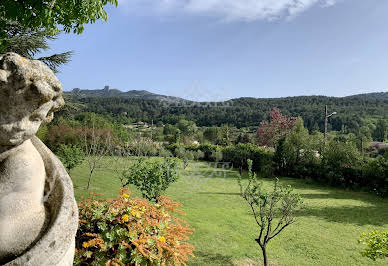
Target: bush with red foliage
[[279, 126]]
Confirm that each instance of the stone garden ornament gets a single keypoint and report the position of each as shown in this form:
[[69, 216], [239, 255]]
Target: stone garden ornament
[[38, 213]]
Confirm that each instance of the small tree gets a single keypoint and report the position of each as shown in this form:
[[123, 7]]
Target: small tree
[[198, 155], [376, 245], [120, 162], [71, 156], [339, 154], [144, 147], [152, 176], [216, 156], [279, 204], [184, 155], [279, 126], [295, 150], [97, 145], [211, 134]]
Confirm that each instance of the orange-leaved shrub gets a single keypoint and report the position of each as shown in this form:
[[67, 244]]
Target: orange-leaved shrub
[[131, 231]]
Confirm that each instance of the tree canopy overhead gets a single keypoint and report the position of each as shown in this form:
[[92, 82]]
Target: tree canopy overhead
[[28, 43], [52, 15]]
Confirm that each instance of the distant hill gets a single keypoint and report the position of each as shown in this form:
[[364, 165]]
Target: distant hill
[[146, 95], [373, 95], [353, 112], [108, 92]]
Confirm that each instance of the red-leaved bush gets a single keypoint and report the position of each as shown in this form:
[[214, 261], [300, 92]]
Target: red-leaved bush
[[131, 231], [279, 126]]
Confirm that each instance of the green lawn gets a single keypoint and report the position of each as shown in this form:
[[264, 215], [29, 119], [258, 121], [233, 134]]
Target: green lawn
[[325, 233]]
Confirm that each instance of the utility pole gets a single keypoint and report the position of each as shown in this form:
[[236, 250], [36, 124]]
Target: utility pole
[[326, 121]]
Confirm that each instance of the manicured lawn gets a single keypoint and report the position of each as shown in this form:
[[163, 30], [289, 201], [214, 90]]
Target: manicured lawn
[[326, 231]]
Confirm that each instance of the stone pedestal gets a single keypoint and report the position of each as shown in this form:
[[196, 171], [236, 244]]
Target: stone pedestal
[[57, 244]]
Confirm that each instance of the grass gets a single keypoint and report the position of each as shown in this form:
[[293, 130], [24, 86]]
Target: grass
[[325, 233]]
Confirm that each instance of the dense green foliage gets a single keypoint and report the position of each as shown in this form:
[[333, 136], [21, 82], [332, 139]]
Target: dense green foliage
[[339, 163], [239, 154], [302, 155], [71, 156], [152, 176], [376, 245], [381, 131], [353, 112], [30, 42], [345, 160], [51, 15]]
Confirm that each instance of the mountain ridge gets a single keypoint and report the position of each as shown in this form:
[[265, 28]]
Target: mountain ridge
[[108, 92], [144, 94]]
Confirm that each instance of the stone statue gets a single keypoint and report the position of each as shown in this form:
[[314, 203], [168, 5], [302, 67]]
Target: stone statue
[[38, 213]]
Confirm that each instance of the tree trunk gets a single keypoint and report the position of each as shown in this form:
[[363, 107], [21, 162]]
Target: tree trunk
[[89, 180], [264, 250]]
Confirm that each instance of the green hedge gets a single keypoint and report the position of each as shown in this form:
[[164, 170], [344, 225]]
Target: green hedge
[[235, 154], [207, 149], [239, 154]]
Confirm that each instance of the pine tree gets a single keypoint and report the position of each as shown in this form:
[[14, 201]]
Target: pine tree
[[29, 43]]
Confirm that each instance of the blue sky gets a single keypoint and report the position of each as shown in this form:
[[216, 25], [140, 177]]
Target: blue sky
[[220, 49]]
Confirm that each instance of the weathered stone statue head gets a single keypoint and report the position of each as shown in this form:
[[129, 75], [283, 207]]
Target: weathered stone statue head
[[33, 182], [29, 94]]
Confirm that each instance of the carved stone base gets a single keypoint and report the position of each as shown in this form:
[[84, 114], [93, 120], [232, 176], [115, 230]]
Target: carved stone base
[[57, 244]]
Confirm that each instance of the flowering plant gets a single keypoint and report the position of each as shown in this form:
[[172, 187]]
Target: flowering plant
[[131, 231], [279, 126]]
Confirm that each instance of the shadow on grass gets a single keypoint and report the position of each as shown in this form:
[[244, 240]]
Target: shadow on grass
[[346, 214], [358, 215], [341, 212], [347, 195], [220, 193], [212, 259]]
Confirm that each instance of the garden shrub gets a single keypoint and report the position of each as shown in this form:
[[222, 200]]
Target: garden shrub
[[376, 174], [338, 154], [340, 164], [239, 154], [198, 155], [171, 147], [131, 231], [144, 147], [206, 149], [152, 176], [376, 245], [216, 156], [70, 156], [165, 153], [184, 155]]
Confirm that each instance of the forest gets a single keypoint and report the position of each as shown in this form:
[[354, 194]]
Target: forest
[[353, 112]]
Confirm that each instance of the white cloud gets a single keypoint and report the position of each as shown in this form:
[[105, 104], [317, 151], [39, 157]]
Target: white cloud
[[229, 10]]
